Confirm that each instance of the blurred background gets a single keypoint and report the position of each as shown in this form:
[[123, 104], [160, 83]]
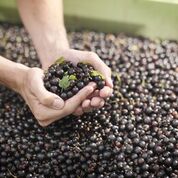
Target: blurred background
[[150, 18]]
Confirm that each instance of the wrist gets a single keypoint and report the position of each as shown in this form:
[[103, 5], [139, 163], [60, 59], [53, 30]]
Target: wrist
[[51, 46], [52, 56], [11, 73], [20, 72]]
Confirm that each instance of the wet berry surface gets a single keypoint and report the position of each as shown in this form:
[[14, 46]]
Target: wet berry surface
[[135, 135]]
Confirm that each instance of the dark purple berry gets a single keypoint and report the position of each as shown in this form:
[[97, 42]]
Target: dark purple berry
[[75, 90], [100, 84], [63, 96], [80, 85], [69, 94]]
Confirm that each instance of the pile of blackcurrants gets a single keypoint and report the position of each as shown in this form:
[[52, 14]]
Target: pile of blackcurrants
[[65, 79], [135, 134]]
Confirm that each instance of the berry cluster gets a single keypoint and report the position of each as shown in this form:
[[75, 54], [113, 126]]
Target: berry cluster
[[135, 135], [65, 79]]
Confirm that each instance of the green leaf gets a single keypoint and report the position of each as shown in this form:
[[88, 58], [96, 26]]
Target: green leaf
[[60, 60], [46, 71], [64, 82], [117, 75], [162, 84], [85, 62], [72, 77], [143, 83], [95, 73]]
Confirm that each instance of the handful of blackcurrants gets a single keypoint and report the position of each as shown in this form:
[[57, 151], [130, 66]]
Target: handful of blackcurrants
[[65, 79]]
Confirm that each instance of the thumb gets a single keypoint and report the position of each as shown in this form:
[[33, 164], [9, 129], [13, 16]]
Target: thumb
[[45, 97], [49, 99]]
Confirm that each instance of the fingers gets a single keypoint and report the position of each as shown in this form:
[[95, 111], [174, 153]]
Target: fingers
[[86, 103], [46, 116], [102, 103], [77, 99], [97, 102], [93, 59], [86, 106], [48, 107], [47, 122], [79, 111], [105, 92], [94, 100], [100, 66], [95, 93], [37, 88]]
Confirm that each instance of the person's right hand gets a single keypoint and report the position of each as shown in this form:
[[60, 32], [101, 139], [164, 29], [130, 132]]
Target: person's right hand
[[97, 99], [47, 107]]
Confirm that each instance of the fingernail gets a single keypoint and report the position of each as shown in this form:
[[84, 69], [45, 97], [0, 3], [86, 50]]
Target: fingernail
[[57, 104], [91, 89], [102, 103]]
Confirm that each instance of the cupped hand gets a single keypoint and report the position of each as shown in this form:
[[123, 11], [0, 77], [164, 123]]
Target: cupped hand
[[47, 107], [96, 99]]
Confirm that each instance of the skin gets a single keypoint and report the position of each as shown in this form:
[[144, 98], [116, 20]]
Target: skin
[[44, 21]]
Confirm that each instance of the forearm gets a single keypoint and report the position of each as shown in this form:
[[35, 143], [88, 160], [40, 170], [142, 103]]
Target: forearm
[[44, 21], [11, 73]]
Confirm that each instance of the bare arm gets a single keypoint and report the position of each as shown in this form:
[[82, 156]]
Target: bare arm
[[45, 24], [46, 107], [11, 73], [44, 21]]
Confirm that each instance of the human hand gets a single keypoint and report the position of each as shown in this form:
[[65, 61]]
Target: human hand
[[96, 99], [50, 40], [47, 107]]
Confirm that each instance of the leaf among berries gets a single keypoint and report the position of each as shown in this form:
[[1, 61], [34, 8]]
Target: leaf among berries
[[60, 60], [95, 73], [117, 75], [64, 83], [72, 77]]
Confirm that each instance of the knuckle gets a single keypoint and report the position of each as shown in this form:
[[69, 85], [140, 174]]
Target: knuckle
[[109, 70], [32, 81], [33, 72], [45, 100], [68, 110], [39, 116], [31, 77], [43, 124], [92, 55], [35, 69]]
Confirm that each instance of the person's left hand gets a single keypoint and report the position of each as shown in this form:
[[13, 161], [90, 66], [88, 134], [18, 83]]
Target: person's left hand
[[47, 107], [96, 99]]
